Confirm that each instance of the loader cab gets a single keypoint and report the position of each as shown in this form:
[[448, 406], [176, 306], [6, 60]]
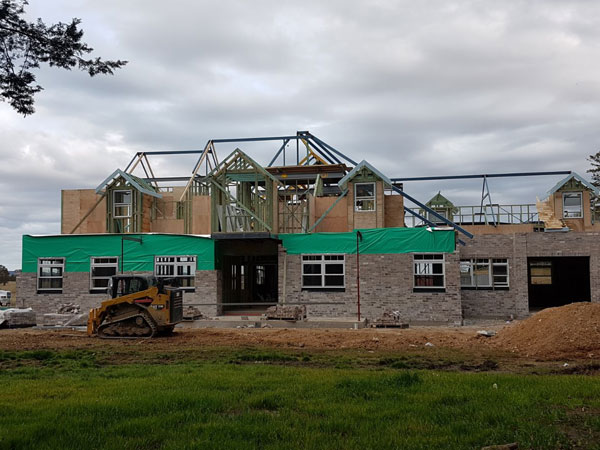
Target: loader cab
[[121, 285]]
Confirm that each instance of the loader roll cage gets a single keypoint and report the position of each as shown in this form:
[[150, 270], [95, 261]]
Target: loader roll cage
[[121, 285]]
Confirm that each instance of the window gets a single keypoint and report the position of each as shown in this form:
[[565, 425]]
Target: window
[[540, 272], [323, 271], [181, 269], [484, 273], [429, 271], [572, 205], [364, 197], [260, 275], [50, 275], [101, 270], [121, 204], [442, 212]]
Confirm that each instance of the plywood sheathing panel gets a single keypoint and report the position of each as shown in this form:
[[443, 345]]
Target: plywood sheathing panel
[[167, 226], [336, 220], [76, 203], [146, 213], [500, 229], [394, 211], [201, 214], [366, 219]]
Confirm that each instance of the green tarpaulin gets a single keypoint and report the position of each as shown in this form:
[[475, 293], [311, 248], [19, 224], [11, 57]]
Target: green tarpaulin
[[377, 240], [77, 250]]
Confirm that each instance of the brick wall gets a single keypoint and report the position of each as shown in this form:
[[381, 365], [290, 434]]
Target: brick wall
[[76, 289], [517, 248], [386, 282]]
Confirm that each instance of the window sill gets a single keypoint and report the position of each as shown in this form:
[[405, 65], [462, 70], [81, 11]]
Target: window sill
[[323, 289], [49, 292], [430, 289], [486, 288]]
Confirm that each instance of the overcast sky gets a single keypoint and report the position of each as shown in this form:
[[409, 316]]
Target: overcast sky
[[416, 88]]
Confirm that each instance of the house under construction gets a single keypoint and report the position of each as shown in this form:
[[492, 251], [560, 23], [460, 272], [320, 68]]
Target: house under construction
[[316, 228]]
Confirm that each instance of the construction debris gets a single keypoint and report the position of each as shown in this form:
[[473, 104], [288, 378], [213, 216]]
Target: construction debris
[[192, 313], [486, 333], [69, 308], [17, 318], [389, 319], [56, 320], [78, 320], [286, 312]]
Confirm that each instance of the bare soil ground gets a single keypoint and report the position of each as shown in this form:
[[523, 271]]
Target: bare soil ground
[[564, 340]]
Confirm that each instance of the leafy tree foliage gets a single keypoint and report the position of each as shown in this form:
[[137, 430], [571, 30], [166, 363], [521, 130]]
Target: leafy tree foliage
[[595, 169], [4, 275], [25, 45]]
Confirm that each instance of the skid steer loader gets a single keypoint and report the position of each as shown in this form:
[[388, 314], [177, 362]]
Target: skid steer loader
[[141, 306]]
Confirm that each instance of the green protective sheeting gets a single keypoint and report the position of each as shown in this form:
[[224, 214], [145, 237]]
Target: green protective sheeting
[[374, 241], [77, 250]]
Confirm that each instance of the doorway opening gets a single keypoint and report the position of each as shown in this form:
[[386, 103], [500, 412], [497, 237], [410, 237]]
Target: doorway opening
[[249, 275], [558, 281]]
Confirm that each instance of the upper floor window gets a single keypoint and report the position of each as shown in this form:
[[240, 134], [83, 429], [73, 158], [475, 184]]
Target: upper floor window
[[429, 271], [50, 275], [364, 197], [540, 272], [572, 205], [182, 269], [484, 273], [121, 204], [323, 271], [101, 271]]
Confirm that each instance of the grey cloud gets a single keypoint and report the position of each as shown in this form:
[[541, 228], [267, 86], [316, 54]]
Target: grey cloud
[[416, 88]]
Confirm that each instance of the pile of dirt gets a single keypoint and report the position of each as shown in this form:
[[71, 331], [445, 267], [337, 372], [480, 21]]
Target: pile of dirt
[[571, 331]]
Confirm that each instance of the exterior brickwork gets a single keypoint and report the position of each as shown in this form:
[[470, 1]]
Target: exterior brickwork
[[386, 282], [76, 289], [517, 248]]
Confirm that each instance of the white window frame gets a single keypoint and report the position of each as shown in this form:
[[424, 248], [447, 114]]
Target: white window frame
[[491, 263], [94, 264], [58, 262], [323, 262], [122, 205], [373, 197], [429, 259], [565, 212], [175, 262]]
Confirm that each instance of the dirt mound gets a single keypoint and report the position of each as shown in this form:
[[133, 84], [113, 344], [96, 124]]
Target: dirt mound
[[571, 331]]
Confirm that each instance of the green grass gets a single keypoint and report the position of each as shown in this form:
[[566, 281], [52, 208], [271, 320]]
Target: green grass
[[67, 400]]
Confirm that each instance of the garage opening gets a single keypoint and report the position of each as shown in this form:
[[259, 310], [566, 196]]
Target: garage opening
[[558, 281], [249, 275]]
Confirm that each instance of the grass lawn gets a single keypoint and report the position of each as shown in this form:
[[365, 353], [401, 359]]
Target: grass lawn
[[68, 400]]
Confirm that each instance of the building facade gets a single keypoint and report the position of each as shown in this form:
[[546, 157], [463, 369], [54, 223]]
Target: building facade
[[326, 232]]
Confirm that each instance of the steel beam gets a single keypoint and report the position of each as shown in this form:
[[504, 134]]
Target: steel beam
[[324, 144], [325, 153], [281, 149], [484, 175], [431, 211]]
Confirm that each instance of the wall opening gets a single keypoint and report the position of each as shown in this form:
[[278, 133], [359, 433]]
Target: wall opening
[[558, 281], [249, 275]]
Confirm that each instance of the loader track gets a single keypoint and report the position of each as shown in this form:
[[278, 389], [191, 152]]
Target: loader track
[[135, 326]]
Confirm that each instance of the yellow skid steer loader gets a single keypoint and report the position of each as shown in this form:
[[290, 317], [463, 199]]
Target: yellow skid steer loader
[[141, 306]]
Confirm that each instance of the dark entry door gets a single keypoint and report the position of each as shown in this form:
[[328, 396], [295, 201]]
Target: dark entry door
[[249, 275], [558, 281]]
